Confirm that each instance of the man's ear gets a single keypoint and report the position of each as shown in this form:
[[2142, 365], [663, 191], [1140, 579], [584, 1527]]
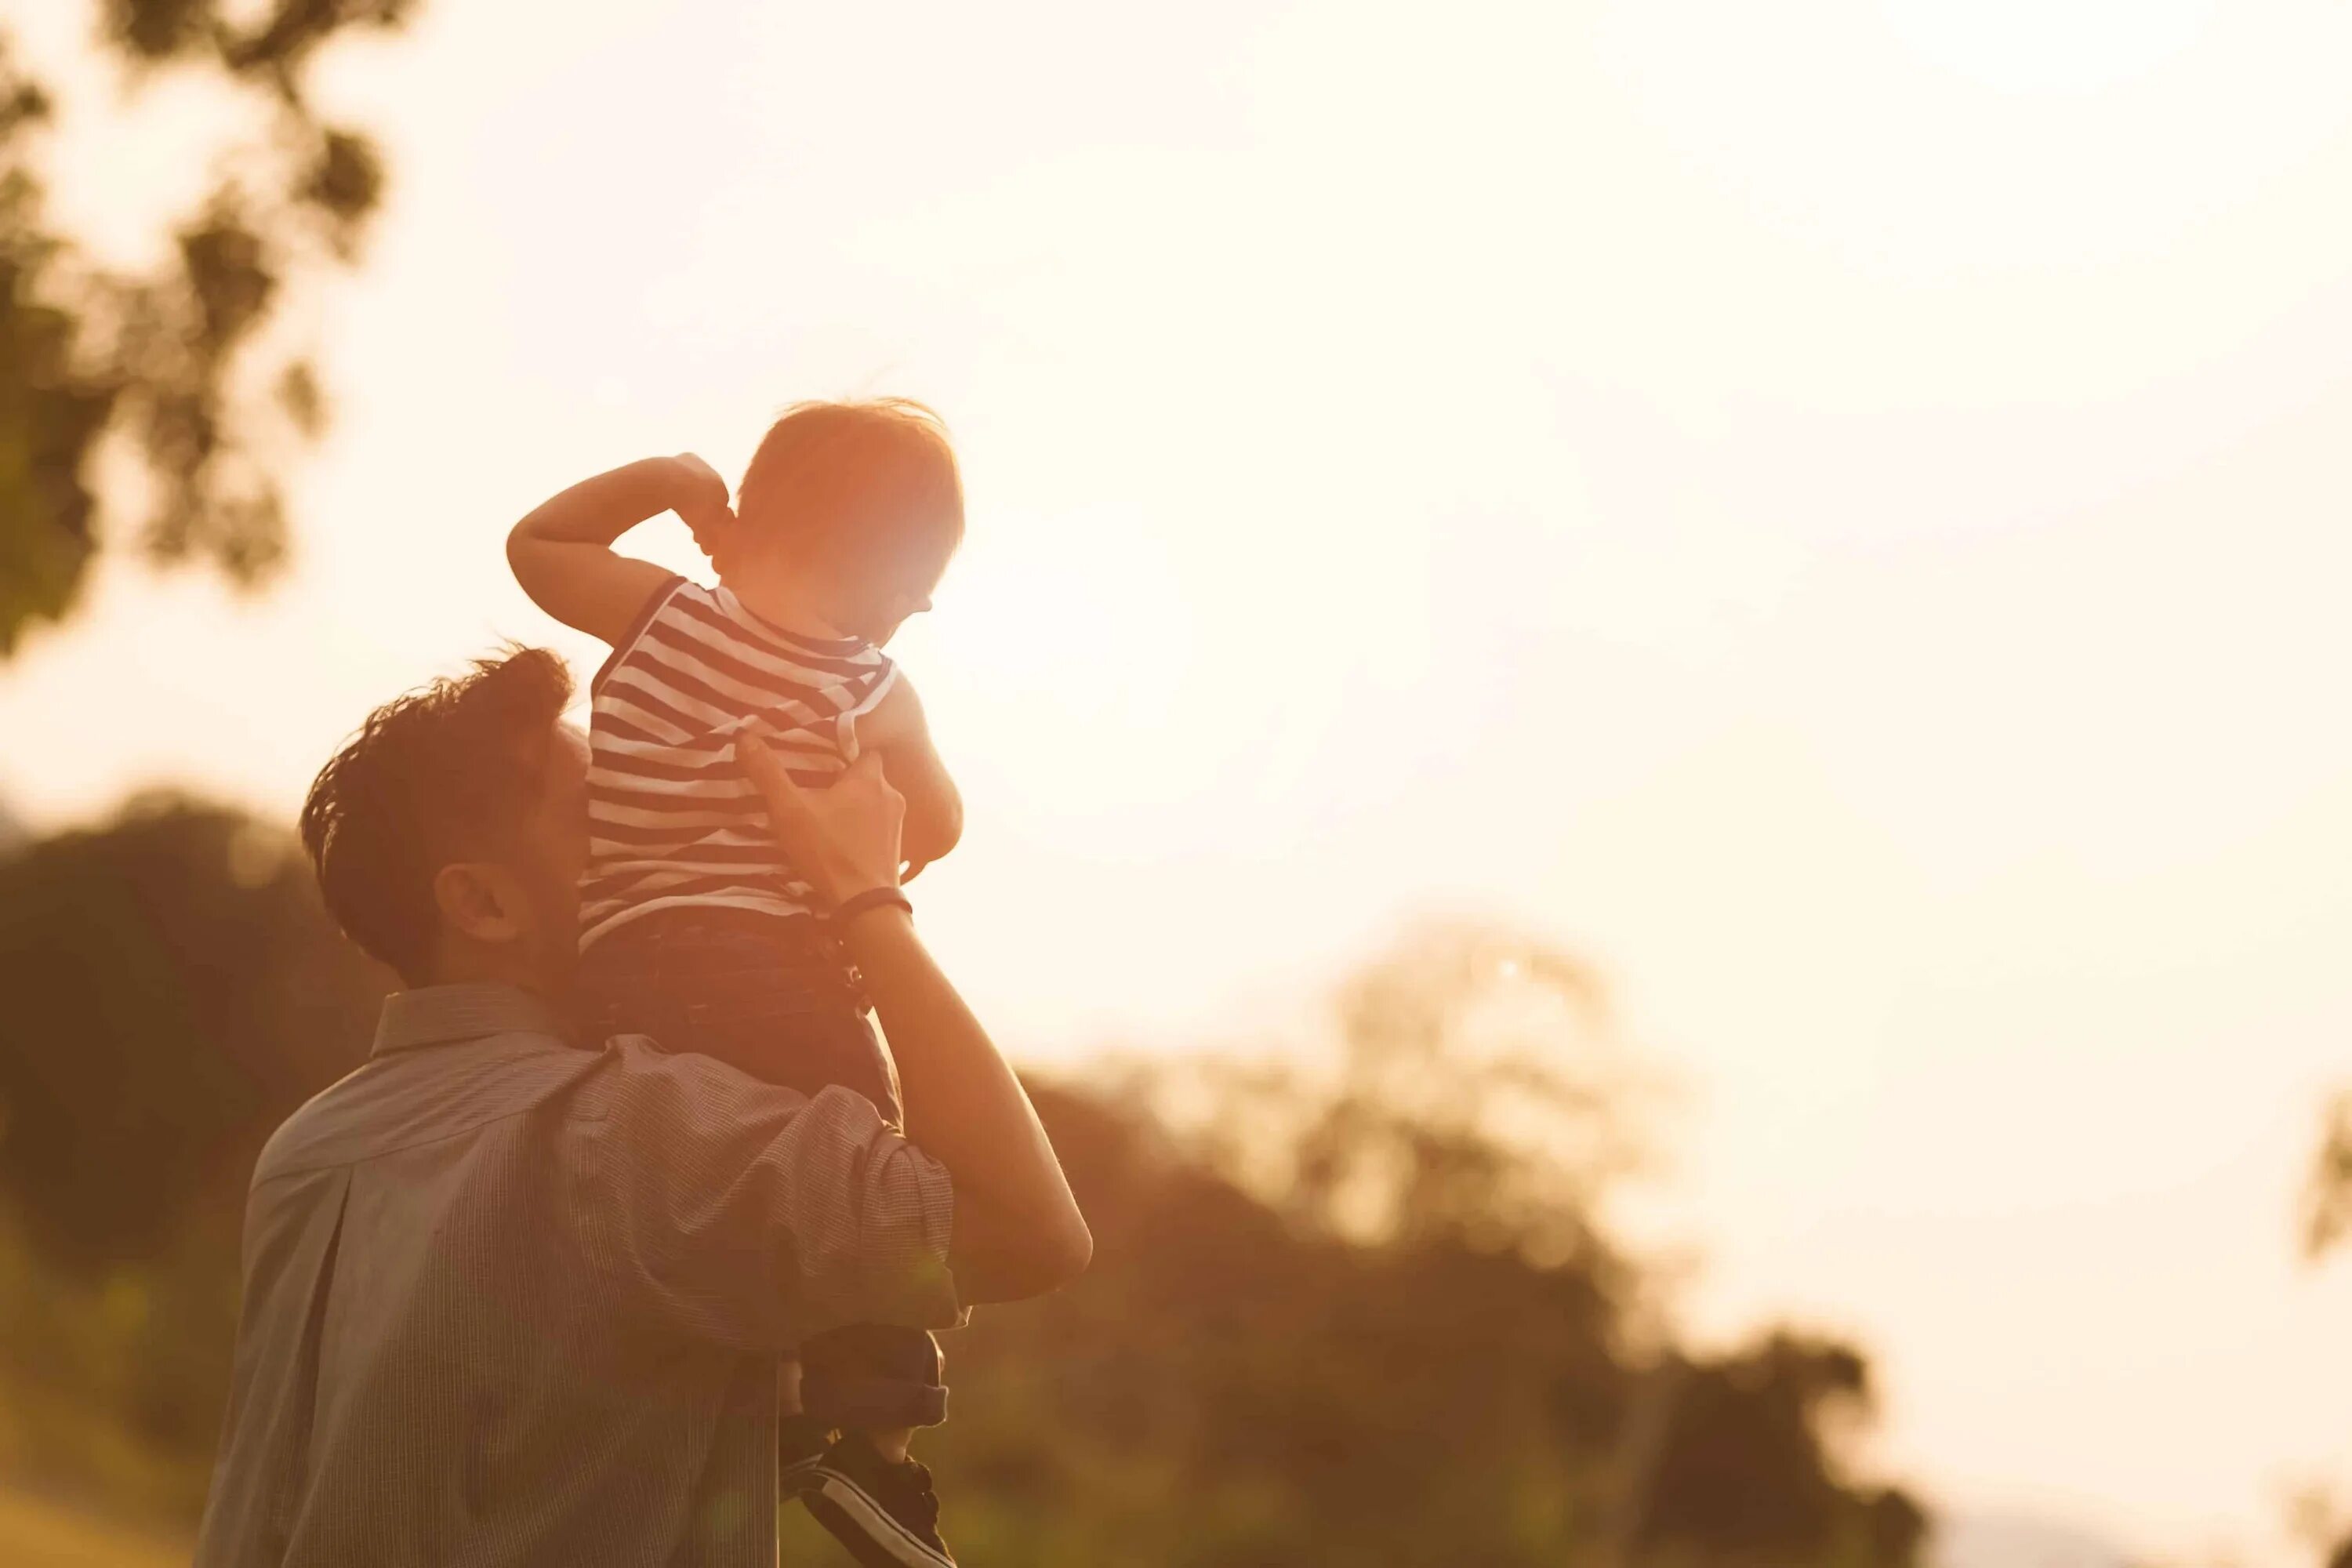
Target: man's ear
[[481, 900]]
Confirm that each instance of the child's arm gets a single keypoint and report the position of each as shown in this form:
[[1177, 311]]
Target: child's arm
[[563, 553], [897, 730]]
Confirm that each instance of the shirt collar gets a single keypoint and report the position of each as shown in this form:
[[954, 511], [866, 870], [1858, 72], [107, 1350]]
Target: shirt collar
[[445, 1014]]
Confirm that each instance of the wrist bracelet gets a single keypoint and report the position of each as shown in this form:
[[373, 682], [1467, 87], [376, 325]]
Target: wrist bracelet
[[856, 904]]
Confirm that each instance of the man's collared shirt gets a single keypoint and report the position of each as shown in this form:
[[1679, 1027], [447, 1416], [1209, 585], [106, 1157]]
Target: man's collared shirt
[[508, 1301]]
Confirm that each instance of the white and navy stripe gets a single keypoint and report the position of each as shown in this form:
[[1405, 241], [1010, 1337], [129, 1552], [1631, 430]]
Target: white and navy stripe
[[672, 821]]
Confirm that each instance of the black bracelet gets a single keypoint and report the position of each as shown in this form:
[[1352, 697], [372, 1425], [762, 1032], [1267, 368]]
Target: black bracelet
[[856, 904]]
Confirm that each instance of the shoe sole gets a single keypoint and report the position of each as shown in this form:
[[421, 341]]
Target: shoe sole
[[865, 1527]]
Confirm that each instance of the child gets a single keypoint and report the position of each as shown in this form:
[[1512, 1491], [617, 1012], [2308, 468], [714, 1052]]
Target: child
[[694, 929]]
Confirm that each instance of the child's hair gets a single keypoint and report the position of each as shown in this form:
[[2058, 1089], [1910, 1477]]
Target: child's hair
[[871, 486]]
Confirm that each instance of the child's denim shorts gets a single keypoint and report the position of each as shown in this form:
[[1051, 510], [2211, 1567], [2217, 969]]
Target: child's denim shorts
[[770, 994]]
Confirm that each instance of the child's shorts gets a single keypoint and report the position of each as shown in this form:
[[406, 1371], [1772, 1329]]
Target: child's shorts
[[774, 998]]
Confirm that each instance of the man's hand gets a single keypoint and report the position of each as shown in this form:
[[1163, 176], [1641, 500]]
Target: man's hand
[[845, 837], [1017, 1230], [701, 503]]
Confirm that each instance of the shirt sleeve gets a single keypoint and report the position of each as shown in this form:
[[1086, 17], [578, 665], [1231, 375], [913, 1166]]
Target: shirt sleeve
[[752, 1215]]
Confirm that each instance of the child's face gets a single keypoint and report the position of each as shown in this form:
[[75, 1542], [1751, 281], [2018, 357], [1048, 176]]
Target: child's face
[[896, 607], [861, 601]]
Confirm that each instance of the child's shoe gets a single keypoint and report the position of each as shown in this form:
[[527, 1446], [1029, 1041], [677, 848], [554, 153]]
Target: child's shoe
[[883, 1510], [800, 1444]]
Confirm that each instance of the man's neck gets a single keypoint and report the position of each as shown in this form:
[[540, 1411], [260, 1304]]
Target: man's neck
[[469, 965]]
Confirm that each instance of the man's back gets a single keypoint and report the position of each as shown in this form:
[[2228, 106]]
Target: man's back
[[512, 1302]]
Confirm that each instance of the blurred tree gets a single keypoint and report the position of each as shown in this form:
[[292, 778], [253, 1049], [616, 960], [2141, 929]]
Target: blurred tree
[[2327, 1224], [174, 989], [2327, 1192], [175, 360], [1369, 1313], [1484, 1098], [1739, 1468]]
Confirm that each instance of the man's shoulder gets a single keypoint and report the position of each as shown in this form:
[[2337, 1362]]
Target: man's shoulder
[[407, 1098]]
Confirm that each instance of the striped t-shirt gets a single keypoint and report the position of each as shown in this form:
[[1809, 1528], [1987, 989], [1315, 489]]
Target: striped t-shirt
[[672, 821]]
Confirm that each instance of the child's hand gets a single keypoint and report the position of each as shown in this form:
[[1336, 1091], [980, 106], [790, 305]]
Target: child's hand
[[701, 503]]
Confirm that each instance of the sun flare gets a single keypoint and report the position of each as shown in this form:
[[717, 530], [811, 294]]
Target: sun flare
[[2048, 46]]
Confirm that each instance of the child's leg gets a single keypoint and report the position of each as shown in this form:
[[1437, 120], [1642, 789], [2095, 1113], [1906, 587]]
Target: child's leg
[[876, 1379], [766, 1001], [873, 1499], [766, 996], [878, 1383], [892, 1445]]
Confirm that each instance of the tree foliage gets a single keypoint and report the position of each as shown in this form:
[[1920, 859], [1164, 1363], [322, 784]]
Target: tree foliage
[[177, 361], [175, 990], [2327, 1191]]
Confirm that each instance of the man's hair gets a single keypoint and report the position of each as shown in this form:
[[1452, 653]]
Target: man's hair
[[445, 773], [871, 486]]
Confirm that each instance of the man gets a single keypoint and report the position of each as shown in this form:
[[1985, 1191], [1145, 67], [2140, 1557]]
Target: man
[[514, 1299]]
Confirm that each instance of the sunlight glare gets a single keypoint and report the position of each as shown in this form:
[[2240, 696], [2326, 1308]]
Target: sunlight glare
[[2048, 46]]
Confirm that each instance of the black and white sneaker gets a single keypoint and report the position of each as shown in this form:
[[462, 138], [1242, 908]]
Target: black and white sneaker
[[884, 1511]]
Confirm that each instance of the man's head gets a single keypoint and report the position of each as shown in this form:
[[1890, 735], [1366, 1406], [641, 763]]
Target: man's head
[[449, 833], [862, 498]]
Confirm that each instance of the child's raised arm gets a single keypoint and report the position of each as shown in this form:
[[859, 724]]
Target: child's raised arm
[[562, 552], [897, 730]]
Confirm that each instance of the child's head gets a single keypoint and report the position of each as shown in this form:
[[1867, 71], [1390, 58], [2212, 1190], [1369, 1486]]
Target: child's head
[[860, 501]]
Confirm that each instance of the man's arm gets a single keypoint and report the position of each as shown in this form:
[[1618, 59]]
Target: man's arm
[[751, 1216], [1017, 1230], [562, 552]]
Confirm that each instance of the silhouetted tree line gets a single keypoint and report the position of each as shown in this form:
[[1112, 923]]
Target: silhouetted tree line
[[1358, 1308]]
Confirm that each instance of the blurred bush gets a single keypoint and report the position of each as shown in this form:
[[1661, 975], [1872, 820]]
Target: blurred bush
[[172, 990], [1358, 1304]]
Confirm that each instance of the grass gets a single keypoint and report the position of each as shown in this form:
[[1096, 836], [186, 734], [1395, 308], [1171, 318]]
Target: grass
[[36, 1533]]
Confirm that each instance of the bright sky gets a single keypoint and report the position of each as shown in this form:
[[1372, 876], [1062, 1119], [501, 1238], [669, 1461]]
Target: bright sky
[[1836, 510]]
